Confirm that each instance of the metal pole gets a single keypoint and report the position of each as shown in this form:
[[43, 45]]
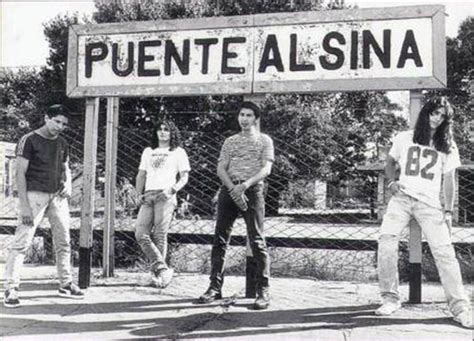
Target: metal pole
[[415, 246], [88, 189], [110, 184]]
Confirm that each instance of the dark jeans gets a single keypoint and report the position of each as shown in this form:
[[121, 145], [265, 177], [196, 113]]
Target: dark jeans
[[227, 212]]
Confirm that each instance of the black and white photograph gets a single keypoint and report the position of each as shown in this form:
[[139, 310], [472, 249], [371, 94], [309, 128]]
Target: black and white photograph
[[237, 170]]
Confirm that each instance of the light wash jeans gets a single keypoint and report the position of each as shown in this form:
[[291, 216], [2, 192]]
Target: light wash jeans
[[400, 210], [153, 221], [57, 211]]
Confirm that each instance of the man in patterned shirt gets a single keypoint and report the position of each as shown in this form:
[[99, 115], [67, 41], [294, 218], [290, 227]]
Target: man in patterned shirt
[[245, 160]]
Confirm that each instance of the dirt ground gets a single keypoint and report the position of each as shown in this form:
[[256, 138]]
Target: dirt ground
[[125, 307]]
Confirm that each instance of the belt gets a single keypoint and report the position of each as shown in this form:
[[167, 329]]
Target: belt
[[238, 182], [154, 191]]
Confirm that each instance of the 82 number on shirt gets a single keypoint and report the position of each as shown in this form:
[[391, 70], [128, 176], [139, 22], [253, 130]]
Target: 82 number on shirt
[[412, 167]]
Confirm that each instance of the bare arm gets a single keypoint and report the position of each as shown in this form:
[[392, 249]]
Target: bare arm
[[391, 168], [239, 197], [391, 174], [67, 190], [239, 190], [222, 168], [449, 189], [260, 175], [140, 185], [140, 182], [25, 208], [183, 180]]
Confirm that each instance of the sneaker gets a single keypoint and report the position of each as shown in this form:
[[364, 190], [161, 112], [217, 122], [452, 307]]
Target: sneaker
[[388, 308], [71, 290], [10, 298], [464, 318], [164, 277], [210, 296], [263, 299]]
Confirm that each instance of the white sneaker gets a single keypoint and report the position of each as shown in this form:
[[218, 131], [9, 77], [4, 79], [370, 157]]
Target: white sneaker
[[10, 299], [464, 318], [164, 277], [71, 290], [388, 308]]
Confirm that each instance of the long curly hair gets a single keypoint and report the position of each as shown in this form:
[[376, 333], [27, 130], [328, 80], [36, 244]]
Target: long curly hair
[[175, 136], [443, 137]]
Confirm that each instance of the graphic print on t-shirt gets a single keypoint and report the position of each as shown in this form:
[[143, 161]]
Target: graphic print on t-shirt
[[158, 159], [422, 167], [413, 162]]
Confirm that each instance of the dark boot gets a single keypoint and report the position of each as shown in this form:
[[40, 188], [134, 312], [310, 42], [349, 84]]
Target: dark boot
[[263, 299], [210, 295]]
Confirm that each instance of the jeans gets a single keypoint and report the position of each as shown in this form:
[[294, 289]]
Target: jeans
[[57, 211], [399, 212], [227, 212], [153, 221]]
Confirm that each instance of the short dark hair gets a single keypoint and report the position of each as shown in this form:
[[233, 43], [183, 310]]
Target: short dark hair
[[57, 110], [252, 106]]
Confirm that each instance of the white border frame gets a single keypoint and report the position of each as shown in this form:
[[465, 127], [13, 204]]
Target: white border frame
[[435, 12]]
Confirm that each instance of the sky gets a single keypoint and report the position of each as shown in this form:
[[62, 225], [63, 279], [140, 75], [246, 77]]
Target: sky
[[23, 42]]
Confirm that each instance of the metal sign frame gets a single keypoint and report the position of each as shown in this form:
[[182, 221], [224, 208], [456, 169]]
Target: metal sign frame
[[258, 23]]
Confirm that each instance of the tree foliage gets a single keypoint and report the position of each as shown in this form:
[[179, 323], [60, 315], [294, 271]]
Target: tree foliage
[[27, 92], [460, 71], [18, 102]]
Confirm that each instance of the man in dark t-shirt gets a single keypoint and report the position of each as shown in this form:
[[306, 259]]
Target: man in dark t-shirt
[[44, 185]]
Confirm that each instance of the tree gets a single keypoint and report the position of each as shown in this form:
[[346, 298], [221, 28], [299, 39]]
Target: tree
[[326, 136], [18, 103], [460, 72]]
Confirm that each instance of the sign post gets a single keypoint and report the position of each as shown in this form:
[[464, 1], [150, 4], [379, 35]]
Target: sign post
[[110, 184], [414, 242], [88, 191]]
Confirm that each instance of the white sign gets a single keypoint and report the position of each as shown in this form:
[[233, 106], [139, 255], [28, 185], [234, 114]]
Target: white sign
[[343, 50]]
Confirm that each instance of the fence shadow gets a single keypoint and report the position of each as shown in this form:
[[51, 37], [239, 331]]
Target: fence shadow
[[197, 325]]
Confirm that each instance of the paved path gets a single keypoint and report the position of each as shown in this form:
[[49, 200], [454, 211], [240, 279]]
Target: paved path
[[302, 309]]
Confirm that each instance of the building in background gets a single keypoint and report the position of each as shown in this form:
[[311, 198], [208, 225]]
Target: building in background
[[7, 178]]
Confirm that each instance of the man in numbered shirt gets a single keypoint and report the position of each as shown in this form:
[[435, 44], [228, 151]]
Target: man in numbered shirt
[[425, 155], [245, 161], [44, 186]]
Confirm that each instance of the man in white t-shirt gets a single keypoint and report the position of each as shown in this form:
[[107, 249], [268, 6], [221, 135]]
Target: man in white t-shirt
[[425, 156], [157, 185]]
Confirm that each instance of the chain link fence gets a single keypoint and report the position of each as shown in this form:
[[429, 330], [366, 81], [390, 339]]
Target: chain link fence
[[322, 228]]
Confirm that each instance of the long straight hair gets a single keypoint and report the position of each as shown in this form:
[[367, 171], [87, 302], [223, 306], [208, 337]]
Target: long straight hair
[[443, 136], [175, 136]]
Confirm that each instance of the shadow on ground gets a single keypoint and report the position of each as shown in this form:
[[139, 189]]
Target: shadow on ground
[[205, 324]]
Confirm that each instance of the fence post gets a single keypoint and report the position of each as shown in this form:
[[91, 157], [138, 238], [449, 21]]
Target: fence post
[[250, 273], [88, 189], [415, 231], [110, 184]]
